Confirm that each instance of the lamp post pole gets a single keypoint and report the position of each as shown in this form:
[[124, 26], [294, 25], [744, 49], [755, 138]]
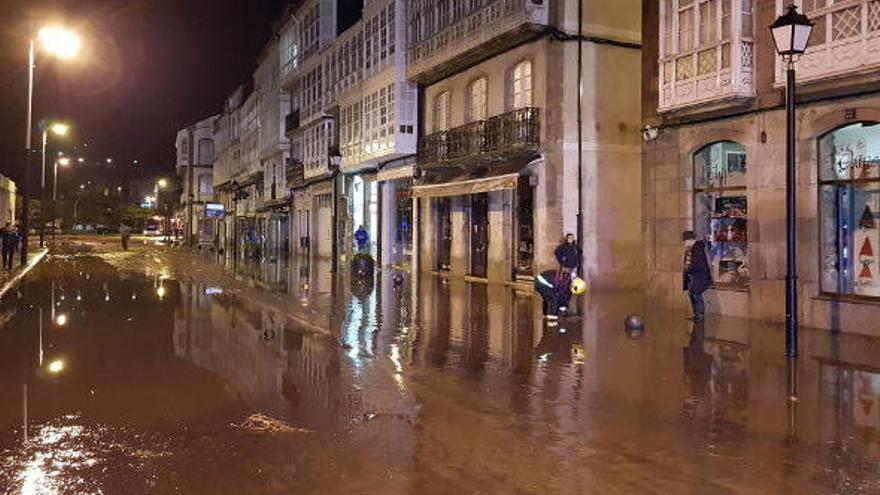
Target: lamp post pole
[[43, 188], [791, 278], [25, 208]]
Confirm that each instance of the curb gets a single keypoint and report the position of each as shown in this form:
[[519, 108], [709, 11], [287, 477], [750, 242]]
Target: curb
[[24, 271]]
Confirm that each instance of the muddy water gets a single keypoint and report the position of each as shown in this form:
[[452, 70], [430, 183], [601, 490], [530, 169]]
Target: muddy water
[[164, 374]]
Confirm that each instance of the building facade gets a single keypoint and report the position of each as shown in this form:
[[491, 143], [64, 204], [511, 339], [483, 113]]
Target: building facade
[[352, 121], [714, 159], [530, 132], [195, 163], [8, 193]]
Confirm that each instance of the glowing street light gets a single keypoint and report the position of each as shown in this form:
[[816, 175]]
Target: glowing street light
[[162, 183], [56, 366], [160, 291], [61, 320], [61, 42], [59, 128]]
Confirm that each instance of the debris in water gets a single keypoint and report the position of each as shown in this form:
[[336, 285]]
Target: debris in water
[[264, 424]]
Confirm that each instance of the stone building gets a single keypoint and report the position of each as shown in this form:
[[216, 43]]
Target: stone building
[[505, 84], [195, 162], [8, 193], [714, 156], [352, 124]]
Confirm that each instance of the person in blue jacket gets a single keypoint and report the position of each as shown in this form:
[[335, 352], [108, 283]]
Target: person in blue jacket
[[554, 286], [361, 238]]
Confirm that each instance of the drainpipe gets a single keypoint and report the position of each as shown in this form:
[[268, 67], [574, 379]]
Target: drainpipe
[[580, 130], [190, 197]]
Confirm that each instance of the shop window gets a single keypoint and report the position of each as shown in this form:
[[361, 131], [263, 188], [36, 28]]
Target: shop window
[[849, 160], [525, 227], [721, 211]]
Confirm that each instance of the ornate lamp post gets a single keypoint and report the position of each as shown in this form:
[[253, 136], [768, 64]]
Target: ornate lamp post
[[791, 33]]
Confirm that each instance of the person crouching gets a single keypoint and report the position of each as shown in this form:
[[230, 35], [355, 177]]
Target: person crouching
[[555, 289]]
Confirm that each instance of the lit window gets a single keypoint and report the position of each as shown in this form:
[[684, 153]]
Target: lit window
[[477, 101], [849, 161], [441, 111], [721, 211], [521, 85]]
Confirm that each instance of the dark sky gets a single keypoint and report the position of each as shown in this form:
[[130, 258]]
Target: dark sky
[[148, 68]]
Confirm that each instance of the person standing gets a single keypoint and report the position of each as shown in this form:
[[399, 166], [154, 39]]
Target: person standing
[[361, 238], [125, 234], [697, 275], [569, 254], [9, 242]]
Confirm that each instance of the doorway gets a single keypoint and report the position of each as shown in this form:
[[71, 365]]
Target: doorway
[[444, 234], [480, 235]]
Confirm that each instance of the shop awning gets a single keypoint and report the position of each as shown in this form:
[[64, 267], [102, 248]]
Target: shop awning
[[486, 175]]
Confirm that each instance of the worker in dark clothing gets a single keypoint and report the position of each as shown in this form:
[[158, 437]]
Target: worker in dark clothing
[[697, 274], [555, 289], [9, 241], [569, 254]]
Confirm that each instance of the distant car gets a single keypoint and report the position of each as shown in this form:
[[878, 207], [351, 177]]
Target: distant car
[[102, 229]]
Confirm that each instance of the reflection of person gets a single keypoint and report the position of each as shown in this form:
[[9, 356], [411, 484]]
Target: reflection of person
[[697, 363], [569, 254], [555, 289], [697, 277], [125, 234], [9, 241], [361, 237]]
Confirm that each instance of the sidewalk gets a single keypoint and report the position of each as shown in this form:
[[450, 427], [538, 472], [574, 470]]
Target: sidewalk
[[10, 278]]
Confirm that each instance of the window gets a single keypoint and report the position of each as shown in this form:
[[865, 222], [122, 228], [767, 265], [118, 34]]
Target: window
[[521, 85], [478, 108], [441, 111], [698, 43], [721, 211], [206, 151], [849, 163]]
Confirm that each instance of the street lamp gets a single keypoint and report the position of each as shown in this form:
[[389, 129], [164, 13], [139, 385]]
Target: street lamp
[[791, 34], [58, 129], [64, 162], [61, 43]]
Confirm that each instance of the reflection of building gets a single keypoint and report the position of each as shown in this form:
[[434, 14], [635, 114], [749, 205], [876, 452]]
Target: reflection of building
[[714, 89], [195, 161], [501, 150]]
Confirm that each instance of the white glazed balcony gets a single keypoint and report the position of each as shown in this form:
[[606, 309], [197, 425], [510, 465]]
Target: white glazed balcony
[[845, 40], [692, 79], [449, 43]]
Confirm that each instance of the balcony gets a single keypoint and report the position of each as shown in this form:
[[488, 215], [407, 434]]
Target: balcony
[[845, 42], [509, 132], [468, 37], [291, 122]]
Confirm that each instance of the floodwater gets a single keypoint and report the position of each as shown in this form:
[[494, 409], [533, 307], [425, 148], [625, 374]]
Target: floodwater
[[160, 376]]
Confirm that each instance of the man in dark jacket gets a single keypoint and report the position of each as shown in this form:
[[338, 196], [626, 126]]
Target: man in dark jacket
[[568, 254], [9, 242], [555, 289], [697, 275]]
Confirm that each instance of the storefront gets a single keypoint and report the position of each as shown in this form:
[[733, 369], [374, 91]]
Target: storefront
[[396, 206], [479, 221]]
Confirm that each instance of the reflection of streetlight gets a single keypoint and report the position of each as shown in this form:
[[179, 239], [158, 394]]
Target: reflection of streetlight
[[56, 366], [160, 291], [61, 320]]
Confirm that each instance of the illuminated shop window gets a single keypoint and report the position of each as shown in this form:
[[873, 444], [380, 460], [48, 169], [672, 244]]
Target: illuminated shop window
[[849, 160], [721, 211]]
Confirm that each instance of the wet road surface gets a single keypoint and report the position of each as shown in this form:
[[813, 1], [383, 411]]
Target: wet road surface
[[161, 372]]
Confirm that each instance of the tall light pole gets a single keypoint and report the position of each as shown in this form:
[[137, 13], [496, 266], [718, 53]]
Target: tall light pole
[[63, 44], [63, 161], [58, 129], [791, 34]]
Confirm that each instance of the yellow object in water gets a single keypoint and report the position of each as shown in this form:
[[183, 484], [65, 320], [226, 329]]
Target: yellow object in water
[[578, 286]]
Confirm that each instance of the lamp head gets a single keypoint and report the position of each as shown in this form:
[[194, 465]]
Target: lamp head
[[59, 129], [61, 42], [791, 33]]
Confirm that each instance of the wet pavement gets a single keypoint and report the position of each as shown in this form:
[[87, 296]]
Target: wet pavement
[[157, 371]]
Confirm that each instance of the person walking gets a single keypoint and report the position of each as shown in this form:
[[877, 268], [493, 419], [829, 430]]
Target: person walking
[[9, 242], [697, 275], [554, 286], [125, 234], [361, 238], [569, 254]]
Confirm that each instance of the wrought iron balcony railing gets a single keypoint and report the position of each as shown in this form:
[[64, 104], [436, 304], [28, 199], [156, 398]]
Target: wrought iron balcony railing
[[515, 130]]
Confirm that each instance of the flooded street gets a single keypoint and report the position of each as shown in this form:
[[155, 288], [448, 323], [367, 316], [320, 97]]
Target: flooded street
[[162, 372]]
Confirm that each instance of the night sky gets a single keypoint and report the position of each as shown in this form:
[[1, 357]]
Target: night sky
[[148, 68]]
